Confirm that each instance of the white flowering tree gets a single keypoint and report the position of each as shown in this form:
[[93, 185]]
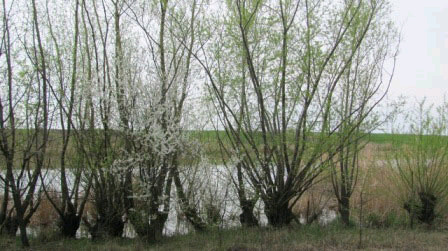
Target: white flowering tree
[[98, 138], [151, 110]]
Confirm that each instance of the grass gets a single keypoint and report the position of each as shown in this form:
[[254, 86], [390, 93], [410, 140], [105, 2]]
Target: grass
[[333, 237]]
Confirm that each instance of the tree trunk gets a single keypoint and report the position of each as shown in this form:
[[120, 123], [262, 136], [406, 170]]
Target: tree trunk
[[23, 235], [344, 210], [147, 228], [111, 226], [187, 208], [156, 228], [69, 224], [247, 217], [140, 222], [278, 214], [4, 207], [11, 225]]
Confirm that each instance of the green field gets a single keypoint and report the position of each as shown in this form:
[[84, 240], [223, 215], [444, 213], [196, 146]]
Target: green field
[[378, 138], [208, 140], [384, 138], [210, 143]]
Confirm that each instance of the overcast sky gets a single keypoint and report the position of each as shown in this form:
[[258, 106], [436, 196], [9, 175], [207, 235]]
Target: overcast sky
[[422, 68]]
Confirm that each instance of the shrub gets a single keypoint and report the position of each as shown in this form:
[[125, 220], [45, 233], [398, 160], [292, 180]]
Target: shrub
[[419, 168]]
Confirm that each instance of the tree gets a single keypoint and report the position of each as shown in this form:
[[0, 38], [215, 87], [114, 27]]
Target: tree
[[98, 140], [295, 63], [24, 129], [156, 114], [363, 85], [235, 76], [70, 206]]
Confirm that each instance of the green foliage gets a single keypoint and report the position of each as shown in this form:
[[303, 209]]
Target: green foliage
[[420, 167]]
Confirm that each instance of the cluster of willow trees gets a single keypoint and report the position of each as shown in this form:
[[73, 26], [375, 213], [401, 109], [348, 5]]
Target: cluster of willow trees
[[104, 92]]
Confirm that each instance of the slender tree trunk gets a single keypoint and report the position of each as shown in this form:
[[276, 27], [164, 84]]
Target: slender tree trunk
[[189, 210], [122, 109], [247, 217], [11, 226], [22, 227], [4, 206], [156, 228], [344, 209]]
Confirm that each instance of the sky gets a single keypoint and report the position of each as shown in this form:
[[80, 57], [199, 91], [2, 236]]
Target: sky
[[422, 66]]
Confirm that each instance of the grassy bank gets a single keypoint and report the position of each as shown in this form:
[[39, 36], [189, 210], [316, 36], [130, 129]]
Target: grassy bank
[[333, 237]]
